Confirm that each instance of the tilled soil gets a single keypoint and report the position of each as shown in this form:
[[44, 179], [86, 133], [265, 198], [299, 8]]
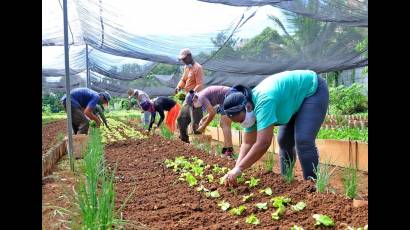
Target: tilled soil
[[161, 201], [50, 133]]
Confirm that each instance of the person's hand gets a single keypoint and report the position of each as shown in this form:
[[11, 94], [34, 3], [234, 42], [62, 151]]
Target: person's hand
[[230, 177]]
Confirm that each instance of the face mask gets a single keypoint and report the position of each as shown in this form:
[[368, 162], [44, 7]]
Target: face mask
[[250, 120]]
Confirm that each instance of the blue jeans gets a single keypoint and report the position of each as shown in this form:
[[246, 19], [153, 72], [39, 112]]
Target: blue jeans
[[301, 131]]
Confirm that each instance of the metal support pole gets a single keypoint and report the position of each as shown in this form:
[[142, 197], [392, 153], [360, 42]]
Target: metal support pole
[[67, 87], [88, 69]]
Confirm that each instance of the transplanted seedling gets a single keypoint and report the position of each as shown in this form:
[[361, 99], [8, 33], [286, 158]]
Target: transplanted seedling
[[252, 219], [216, 169], [222, 180], [213, 194], [267, 191], [261, 206], [279, 212], [299, 206], [295, 227], [323, 220], [197, 170], [210, 178], [238, 211], [359, 228], [280, 200], [224, 205], [202, 189], [240, 179], [253, 182], [248, 197], [289, 175], [190, 179]]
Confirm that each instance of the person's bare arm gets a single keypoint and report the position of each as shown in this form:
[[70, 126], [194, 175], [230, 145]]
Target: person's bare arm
[[89, 113], [263, 141]]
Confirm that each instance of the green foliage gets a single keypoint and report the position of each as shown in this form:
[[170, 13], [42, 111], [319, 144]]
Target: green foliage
[[253, 182], [263, 206], [248, 197], [252, 219], [323, 220], [224, 205], [299, 206], [267, 191], [289, 170], [344, 133], [51, 103], [347, 100], [350, 182], [323, 173], [238, 211]]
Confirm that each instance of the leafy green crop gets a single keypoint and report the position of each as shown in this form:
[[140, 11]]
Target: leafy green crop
[[252, 219], [240, 179], [323, 220], [280, 200], [262, 205], [279, 212], [210, 178], [190, 179], [224, 205], [267, 191], [248, 197], [213, 194], [252, 182], [299, 206], [238, 211]]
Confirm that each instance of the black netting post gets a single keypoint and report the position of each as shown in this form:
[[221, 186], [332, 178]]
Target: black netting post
[[67, 87]]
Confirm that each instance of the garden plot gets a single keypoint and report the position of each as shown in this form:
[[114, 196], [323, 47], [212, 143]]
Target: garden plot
[[118, 131], [176, 198]]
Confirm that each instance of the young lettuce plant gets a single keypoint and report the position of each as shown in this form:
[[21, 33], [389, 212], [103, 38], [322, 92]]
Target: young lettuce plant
[[190, 179], [299, 206], [238, 211], [240, 179], [213, 194], [252, 219], [279, 212], [267, 191], [248, 197], [295, 227], [210, 178], [224, 205], [253, 182], [323, 220], [202, 189], [261, 206]]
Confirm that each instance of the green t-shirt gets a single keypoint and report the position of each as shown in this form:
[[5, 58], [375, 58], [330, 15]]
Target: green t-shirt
[[279, 96]]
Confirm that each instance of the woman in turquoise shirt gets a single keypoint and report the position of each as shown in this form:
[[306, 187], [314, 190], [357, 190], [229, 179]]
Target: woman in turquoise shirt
[[296, 101]]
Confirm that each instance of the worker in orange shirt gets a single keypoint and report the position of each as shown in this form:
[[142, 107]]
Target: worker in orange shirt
[[191, 82]]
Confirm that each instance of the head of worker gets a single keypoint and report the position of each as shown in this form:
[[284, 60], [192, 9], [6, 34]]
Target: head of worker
[[186, 57], [132, 93], [147, 106], [238, 106], [105, 97]]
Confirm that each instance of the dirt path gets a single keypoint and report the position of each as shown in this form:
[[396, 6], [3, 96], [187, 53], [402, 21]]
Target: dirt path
[[51, 133]]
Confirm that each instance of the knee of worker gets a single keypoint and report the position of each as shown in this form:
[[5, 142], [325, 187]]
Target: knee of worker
[[304, 144]]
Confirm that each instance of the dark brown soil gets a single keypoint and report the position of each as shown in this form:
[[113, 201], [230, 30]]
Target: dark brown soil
[[50, 133], [161, 201]]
